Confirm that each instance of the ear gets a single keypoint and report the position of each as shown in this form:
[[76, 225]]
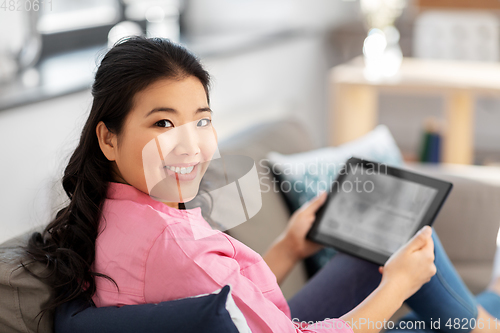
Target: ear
[[107, 141]]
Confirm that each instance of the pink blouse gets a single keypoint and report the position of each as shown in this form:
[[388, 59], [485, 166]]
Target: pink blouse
[[148, 248]]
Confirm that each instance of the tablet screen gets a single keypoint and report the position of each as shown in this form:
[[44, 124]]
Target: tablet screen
[[376, 211]]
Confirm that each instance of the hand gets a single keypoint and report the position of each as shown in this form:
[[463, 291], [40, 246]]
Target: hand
[[299, 224], [412, 265]]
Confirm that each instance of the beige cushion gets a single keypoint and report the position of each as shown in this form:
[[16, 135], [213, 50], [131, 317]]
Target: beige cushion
[[21, 294]]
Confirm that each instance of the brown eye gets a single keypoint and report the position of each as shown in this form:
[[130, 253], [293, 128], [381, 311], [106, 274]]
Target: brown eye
[[164, 123]]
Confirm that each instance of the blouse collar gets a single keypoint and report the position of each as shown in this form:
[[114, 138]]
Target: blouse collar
[[122, 191]]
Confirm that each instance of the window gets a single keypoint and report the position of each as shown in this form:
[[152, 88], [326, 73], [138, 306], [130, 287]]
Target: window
[[74, 24], [77, 14]]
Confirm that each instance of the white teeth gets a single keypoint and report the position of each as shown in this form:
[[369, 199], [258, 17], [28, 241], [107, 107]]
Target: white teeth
[[182, 170]]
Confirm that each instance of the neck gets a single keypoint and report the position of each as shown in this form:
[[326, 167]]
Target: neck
[[172, 204]]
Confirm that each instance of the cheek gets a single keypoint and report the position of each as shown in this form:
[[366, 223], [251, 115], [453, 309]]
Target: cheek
[[208, 145], [208, 148], [130, 164]]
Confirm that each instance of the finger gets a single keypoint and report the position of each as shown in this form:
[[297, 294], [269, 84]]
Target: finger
[[317, 201], [420, 239], [381, 269], [429, 246]]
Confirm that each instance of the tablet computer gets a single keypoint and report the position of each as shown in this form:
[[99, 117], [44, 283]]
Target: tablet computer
[[373, 209]]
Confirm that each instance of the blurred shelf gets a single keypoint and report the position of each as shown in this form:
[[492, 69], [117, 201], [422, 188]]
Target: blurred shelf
[[458, 4], [355, 108]]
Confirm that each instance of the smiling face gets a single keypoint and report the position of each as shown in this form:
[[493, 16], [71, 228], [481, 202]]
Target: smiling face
[[167, 140]]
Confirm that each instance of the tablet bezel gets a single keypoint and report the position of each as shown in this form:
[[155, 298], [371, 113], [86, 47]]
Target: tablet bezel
[[443, 188]]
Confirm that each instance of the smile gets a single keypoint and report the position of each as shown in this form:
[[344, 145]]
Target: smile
[[185, 173], [179, 170]]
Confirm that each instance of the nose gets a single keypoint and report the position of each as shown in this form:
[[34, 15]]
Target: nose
[[187, 141]]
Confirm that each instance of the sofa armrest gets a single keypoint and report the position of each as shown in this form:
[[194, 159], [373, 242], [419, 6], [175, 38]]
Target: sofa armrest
[[469, 220]]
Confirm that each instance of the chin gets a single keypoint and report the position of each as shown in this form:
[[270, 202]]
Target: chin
[[188, 199]]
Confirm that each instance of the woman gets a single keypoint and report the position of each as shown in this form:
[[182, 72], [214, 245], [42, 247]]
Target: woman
[[126, 238]]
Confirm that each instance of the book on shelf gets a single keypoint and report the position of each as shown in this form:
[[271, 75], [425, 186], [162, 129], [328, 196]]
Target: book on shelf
[[430, 148]]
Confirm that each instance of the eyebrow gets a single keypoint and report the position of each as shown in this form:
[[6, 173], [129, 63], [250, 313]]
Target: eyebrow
[[175, 111]]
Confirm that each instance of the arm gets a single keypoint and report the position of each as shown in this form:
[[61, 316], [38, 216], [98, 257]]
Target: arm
[[292, 245], [280, 259]]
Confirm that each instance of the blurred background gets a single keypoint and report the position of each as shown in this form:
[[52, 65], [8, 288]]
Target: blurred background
[[269, 59]]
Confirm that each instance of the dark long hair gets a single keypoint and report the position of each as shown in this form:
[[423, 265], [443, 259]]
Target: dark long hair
[[67, 245]]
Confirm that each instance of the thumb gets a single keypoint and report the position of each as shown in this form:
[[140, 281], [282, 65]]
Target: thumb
[[420, 239], [314, 203], [381, 269], [317, 201]]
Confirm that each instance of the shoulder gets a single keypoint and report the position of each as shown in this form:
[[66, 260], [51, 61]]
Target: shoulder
[[132, 214], [128, 229]]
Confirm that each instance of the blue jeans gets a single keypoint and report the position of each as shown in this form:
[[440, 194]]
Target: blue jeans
[[345, 281]]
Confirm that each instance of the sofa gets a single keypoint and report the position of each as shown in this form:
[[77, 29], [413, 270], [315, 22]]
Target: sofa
[[467, 225]]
